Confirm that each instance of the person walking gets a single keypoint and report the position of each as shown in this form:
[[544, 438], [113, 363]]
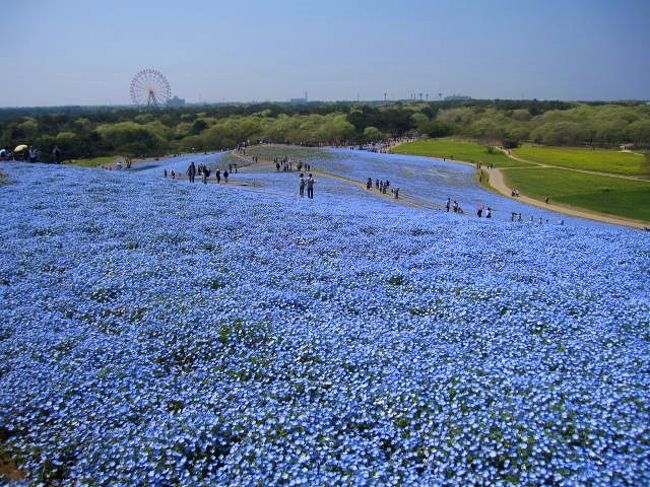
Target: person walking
[[204, 175], [56, 154], [310, 187], [448, 204], [218, 175], [302, 185], [191, 171], [225, 176]]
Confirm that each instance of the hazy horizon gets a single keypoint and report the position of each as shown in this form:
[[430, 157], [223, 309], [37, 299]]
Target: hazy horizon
[[83, 53]]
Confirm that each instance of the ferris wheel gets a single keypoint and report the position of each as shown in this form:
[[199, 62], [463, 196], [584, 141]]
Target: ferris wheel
[[150, 89]]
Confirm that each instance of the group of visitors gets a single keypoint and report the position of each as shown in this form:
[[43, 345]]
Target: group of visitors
[[481, 208], [306, 183], [285, 164], [456, 208], [386, 145], [516, 217], [383, 186], [202, 170], [29, 154], [480, 164]]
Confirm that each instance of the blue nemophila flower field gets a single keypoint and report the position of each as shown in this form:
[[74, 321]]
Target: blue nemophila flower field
[[154, 332]]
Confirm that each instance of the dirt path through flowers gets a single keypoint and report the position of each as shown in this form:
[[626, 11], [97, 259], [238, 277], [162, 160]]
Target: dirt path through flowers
[[497, 181]]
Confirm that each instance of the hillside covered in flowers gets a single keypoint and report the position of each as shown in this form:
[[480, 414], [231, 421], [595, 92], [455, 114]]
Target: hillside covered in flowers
[[154, 332]]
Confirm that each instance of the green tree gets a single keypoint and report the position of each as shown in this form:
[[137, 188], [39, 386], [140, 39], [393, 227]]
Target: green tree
[[371, 134]]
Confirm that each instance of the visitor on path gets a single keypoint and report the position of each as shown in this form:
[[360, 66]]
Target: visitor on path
[[377, 183], [191, 171], [396, 193], [165, 172], [489, 213], [310, 187], [369, 184], [302, 185], [225, 176], [204, 175], [456, 206], [448, 204], [173, 174], [56, 154], [218, 175], [546, 200], [479, 212]]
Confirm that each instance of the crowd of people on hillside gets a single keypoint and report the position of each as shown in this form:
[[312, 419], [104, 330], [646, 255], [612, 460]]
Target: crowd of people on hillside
[[285, 164], [308, 183], [386, 145], [456, 208], [202, 170], [382, 187], [26, 153], [481, 210]]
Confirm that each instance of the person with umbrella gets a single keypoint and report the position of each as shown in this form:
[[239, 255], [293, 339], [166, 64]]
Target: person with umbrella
[[22, 150]]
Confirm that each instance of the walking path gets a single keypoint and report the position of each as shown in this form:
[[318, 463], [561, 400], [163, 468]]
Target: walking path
[[496, 181], [405, 199]]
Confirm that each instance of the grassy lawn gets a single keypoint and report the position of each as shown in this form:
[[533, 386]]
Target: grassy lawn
[[457, 149], [615, 196], [95, 161], [610, 161], [268, 152]]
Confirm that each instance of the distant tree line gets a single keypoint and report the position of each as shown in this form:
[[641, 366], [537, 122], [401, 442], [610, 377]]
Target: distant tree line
[[82, 132]]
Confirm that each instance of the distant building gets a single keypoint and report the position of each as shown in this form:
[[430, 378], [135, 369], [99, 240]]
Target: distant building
[[176, 102], [457, 98], [299, 100]]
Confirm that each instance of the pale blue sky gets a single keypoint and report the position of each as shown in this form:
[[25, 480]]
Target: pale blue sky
[[86, 52]]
